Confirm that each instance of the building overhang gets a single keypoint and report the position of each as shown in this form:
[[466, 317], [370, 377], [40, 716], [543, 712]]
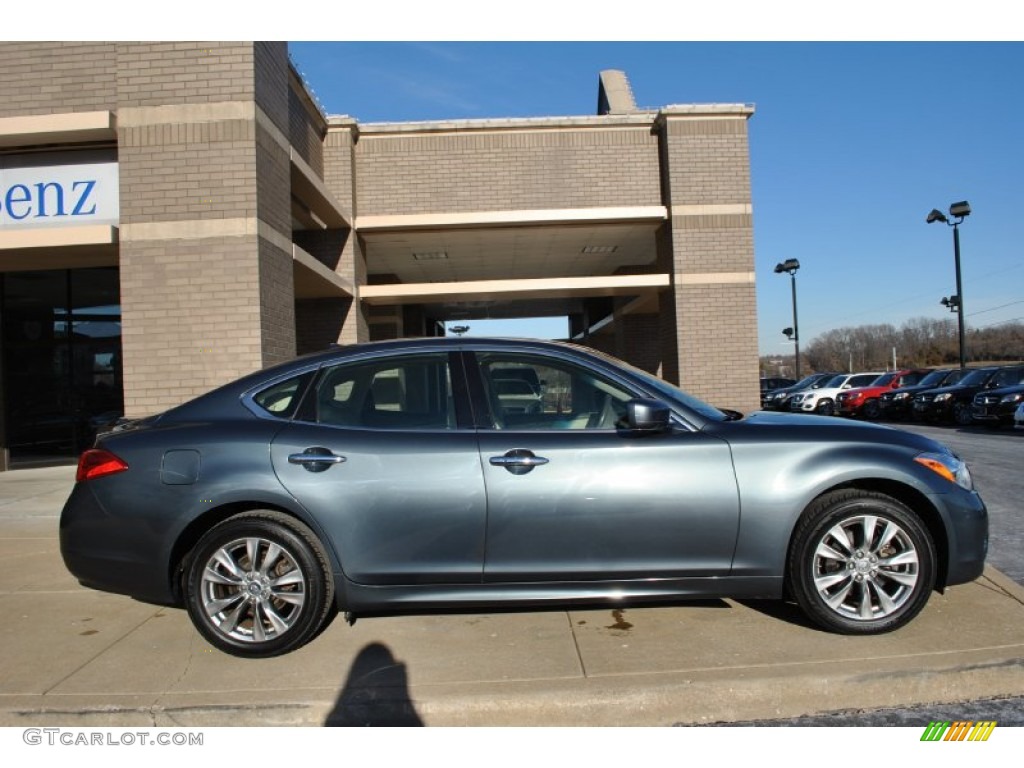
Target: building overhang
[[313, 280], [312, 202], [65, 128], [513, 290], [524, 218], [58, 248]]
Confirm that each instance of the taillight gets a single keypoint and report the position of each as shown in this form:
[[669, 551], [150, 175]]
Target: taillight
[[97, 462]]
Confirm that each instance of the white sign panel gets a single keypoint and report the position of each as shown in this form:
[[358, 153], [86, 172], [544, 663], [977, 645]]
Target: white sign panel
[[59, 196]]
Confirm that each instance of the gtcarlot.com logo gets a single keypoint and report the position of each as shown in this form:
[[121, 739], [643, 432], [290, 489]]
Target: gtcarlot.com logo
[[961, 730]]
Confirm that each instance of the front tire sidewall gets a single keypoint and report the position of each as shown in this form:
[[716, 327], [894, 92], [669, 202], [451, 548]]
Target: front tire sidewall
[[308, 555], [828, 512]]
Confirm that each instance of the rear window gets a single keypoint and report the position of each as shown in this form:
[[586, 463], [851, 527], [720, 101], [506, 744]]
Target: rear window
[[282, 399]]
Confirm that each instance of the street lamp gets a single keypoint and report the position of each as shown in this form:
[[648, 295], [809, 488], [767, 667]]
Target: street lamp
[[958, 212], [790, 266]]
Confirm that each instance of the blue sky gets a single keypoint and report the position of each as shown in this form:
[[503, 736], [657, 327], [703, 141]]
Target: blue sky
[[851, 145]]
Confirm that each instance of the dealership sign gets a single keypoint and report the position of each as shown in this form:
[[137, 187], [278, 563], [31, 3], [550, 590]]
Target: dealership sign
[[59, 195]]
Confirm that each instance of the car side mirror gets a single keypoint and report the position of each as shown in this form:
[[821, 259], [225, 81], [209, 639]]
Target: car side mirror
[[648, 416]]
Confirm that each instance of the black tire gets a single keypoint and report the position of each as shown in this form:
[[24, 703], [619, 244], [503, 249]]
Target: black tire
[[962, 415], [826, 408], [860, 563], [259, 584], [872, 410]]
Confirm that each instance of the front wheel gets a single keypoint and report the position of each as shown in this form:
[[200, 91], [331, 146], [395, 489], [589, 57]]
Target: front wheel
[[861, 563], [259, 584], [872, 410], [962, 415], [826, 408]]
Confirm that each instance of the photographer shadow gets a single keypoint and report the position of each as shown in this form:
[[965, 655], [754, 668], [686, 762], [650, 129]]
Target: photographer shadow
[[376, 693]]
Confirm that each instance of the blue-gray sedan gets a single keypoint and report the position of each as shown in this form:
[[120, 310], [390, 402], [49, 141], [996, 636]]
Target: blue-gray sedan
[[397, 475]]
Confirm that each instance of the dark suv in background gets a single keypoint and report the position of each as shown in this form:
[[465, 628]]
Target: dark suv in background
[[995, 407], [898, 404], [778, 400], [954, 403], [773, 383]]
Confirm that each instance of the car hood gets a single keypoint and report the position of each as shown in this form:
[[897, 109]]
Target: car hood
[[799, 426]]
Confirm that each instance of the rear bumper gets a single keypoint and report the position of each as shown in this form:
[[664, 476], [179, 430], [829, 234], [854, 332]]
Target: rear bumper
[[110, 553]]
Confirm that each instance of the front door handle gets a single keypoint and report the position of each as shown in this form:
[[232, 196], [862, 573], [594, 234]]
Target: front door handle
[[316, 459], [518, 461]]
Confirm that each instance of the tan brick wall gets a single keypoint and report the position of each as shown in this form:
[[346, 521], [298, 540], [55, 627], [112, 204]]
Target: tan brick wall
[[712, 311], [37, 78], [189, 319], [200, 309], [708, 161], [339, 172], [517, 170], [155, 74], [306, 127], [717, 331]]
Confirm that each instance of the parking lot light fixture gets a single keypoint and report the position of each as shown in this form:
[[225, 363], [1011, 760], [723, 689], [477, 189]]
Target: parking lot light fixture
[[957, 212], [790, 266]]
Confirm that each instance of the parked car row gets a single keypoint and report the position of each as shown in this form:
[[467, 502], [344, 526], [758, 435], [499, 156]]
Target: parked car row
[[991, 395]]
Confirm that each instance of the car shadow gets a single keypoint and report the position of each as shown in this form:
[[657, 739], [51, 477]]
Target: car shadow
[[782, 610], [376, 692]]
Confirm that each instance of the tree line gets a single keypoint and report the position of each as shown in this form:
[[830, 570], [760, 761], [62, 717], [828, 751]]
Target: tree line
[[918, 343]]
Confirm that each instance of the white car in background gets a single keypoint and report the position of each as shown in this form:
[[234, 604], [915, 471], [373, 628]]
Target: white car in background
[[823, 400], [1018, 417]]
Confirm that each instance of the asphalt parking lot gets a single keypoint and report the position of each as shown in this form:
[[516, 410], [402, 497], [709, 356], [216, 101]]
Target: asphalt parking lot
[[83, 658]]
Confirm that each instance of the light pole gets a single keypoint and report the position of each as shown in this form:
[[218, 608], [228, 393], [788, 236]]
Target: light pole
[[958, 212], [790, 266]]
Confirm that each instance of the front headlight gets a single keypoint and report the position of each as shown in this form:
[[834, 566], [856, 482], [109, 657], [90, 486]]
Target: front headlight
[[901, 396], [943, 397], [1014, 398], [949, 466]]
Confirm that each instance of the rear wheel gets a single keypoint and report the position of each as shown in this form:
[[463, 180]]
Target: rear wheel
[[861, 563], [259, 584]]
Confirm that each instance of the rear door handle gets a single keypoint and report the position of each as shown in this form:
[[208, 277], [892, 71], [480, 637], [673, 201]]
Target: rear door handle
[[518, 461], [316, 459]]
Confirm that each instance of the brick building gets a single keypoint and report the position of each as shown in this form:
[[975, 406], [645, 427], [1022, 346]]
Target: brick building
[[173, 215]]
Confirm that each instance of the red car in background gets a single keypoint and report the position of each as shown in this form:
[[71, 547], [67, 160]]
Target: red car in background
[[865, 401]]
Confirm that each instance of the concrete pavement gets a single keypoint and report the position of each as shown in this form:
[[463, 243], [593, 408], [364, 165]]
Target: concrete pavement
[[75, 657]]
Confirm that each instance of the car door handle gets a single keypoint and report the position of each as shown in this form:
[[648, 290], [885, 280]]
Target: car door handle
[[518, 461], [316, 459]]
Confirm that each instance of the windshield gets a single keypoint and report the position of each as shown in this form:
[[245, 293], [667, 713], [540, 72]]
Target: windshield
[[836, 381], [885, 378], [977, 376], [933, 378]]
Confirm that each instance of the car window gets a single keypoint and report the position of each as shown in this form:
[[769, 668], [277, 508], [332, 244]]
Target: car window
[[862, 380], [412, 392], [568, 396], [282, 399]]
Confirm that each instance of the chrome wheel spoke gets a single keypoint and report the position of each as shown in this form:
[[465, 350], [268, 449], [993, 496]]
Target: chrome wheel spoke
[[839, 534], [279, 624], [224, 557], [292, 598], [908, 557], [868, 530], [886, 605], [837, 600], [905, 579], [219, 577], [222, 604], [287, 579], [827, 552], [270, 558], [826, 581], [232, 620]]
